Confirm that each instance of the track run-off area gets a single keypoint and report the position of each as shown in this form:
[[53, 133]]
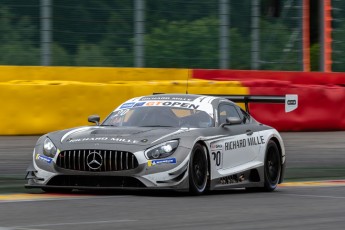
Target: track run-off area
[[312, 197]]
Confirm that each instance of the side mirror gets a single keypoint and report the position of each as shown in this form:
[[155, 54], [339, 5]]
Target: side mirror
[[232, 121], [94, 119]]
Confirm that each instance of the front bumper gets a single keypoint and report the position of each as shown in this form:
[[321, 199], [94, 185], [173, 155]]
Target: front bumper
[[146, 176]]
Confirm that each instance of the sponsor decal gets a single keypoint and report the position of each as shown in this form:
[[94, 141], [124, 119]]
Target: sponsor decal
[[139, 104], [175, 102], [217, 153], [242, 143], [258, 140], [114, 139], [291, 102], [161, 161], [232, 179], [127, 105], [44, 158], [178, 104], [168, 98], [216, 145], [119, 113], [186, 105]]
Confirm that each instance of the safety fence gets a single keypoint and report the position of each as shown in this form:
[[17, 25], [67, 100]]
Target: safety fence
[[291, 35], [247, 34], [338, 35], [38, 102]]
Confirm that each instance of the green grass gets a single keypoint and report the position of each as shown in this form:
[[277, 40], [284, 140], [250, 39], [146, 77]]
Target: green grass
[[314, 174], [12, 184]]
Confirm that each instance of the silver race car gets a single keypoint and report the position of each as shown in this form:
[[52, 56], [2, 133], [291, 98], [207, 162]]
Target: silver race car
[[182, 142]]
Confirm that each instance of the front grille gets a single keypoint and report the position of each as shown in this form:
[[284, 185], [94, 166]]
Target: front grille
[[104, 160], [95, 181]]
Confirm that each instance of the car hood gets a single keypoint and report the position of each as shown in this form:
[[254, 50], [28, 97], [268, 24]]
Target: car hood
[[120, 135]]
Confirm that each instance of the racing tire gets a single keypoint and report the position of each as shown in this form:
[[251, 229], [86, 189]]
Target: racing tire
[[272, 166], [56, 190], [272, 169], [198, 170]]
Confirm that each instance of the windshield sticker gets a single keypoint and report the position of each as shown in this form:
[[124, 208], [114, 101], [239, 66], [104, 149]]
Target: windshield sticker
[[172, 104], [127, 105], [184, 104], [163, 161], [169, 98], [139, 104], [118, 113]]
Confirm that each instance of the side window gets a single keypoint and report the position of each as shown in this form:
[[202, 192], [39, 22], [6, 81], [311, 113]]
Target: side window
[[226, 110], [245, 116]]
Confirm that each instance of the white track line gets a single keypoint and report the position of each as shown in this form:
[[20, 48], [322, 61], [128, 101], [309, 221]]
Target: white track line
[[314, 196], [63, 224], [58, 199], [23, 229]]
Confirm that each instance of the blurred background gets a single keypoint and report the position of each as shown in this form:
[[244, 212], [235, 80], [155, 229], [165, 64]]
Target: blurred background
[[62, 60], [298, 35]]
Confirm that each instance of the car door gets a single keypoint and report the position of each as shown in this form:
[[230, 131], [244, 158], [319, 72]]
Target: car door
[[238, 147]]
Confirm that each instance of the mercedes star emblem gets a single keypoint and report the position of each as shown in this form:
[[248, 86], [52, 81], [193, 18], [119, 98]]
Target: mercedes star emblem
[[94, 160]]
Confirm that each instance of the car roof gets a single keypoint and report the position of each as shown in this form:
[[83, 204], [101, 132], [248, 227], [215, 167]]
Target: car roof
[[187, 97], [182, 97], [173, 97]]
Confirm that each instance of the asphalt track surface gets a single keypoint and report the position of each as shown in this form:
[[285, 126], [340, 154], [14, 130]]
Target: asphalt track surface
[[293, 206]]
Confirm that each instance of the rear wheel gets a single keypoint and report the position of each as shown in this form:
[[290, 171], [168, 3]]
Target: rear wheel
[[272, 168], [198, 168]]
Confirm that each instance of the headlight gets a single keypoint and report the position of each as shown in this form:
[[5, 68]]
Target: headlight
[[162, 150], [49, 148]]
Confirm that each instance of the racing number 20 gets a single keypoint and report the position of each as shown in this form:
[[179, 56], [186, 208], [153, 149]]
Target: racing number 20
[[216, 157]]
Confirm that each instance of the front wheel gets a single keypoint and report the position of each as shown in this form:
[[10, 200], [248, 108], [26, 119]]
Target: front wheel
[[198, 168]]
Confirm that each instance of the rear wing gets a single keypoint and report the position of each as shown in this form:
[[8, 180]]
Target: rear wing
[[290, 100]]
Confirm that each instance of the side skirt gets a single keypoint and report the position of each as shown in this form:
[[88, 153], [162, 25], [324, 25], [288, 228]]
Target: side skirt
[[247, 178]]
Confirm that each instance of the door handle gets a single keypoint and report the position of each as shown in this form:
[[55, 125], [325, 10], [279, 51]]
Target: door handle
[[249, 132]]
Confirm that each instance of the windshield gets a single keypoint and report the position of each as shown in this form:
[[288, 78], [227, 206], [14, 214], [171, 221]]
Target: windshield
[[159, 116]]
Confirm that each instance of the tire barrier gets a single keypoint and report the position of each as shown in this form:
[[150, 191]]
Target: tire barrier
[[89, 74], [43, 99], [321, 97], [303, 78], [320, 108], [36, 107]]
